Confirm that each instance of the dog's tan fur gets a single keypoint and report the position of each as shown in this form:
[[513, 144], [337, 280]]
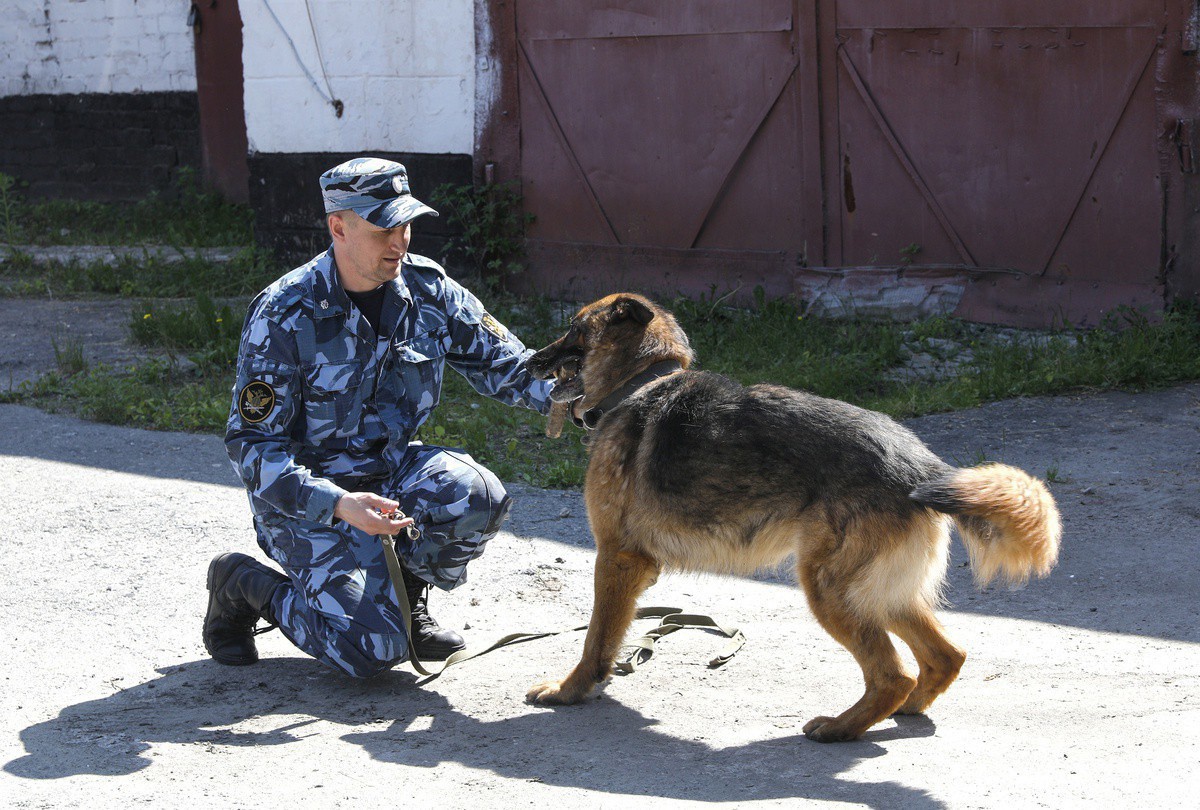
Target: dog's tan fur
[[866, 570]]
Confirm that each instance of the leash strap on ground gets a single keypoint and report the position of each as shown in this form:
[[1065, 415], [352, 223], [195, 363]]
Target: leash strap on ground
[[670, 620]]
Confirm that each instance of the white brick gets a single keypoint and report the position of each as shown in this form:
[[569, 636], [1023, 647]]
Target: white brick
[[98, 45], [404, 69]]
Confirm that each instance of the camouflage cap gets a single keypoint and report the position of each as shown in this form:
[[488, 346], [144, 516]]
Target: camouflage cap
[[375, 189]]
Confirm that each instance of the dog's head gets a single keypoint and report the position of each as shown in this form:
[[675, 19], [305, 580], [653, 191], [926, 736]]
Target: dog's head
[[609, 342]]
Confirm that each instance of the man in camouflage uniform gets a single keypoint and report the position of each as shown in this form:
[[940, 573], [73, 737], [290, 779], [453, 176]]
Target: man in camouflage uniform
[[329, 394]]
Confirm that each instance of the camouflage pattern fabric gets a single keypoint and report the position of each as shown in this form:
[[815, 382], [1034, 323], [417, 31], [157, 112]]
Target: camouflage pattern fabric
[[322, 406], [376, 189], [340, 607]]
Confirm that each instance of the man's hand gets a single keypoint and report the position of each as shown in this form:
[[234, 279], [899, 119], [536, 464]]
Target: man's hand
[[362, 510]]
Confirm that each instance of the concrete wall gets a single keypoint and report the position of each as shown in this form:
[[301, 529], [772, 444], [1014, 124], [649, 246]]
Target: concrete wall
[[95, 46], [403, 70]]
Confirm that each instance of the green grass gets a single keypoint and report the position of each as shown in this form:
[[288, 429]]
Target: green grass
[[182, 215], [203, 331], [153, 394], [848, 360], [841, 359]]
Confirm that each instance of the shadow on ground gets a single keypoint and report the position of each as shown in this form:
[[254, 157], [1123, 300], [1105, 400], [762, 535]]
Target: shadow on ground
[[612, 748]]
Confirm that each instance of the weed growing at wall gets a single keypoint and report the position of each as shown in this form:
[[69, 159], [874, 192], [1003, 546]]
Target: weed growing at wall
[[492, 226], [8, 208]]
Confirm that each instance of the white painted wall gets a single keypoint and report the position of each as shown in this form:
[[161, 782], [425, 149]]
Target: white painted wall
[[403, 68], [95, 46]]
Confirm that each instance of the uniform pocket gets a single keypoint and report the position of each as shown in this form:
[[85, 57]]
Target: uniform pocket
[[332, 399], [419, 365]]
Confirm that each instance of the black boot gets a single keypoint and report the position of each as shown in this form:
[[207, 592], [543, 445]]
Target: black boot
[[430, 642], [239, 594]]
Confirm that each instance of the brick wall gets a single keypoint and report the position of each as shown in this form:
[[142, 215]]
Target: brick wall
[[405, 73], [95, 46], [98, 146], [97, 97]]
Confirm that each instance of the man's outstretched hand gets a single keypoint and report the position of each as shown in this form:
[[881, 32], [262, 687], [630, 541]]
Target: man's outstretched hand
[[362, 510]]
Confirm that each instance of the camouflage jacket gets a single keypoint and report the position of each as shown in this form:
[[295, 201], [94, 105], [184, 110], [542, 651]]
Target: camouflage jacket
[[321, 404]]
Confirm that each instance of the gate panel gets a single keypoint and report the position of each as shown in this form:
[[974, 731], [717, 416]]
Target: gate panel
[[663, 128], [1013, 152]]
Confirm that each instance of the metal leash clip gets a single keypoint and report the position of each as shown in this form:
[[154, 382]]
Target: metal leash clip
[[411, 530]]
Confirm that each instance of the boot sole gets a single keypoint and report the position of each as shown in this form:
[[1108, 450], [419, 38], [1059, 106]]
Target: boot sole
[[439, 654], [233, 661]]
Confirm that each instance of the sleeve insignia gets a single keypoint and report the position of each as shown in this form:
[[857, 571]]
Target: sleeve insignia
[[493, 326], [256, 401]]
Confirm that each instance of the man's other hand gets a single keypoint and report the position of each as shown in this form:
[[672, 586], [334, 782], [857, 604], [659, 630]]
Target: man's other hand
[[366, 511]]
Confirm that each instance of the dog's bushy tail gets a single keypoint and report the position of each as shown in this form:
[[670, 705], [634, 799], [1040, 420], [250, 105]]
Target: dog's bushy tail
[[1008, 520]]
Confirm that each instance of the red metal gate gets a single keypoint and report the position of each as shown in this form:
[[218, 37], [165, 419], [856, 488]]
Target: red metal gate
[[668, 144], [1010, 149], [1013, 141]]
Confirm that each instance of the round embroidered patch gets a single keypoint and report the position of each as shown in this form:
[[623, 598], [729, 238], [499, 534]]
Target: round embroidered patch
[[493, 326], [256, 401]]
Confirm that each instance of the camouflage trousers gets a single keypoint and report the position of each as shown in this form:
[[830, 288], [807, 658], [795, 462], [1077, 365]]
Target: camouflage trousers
[[340, 606]]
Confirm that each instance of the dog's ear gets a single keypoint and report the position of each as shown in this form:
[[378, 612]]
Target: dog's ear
[[631, 309]]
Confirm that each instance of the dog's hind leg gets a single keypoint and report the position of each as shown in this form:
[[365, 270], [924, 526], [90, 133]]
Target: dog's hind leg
[[940, 659], [621, 577], [887, 684]]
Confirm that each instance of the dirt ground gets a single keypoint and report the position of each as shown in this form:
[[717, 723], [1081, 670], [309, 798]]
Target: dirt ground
[[1081, 689]]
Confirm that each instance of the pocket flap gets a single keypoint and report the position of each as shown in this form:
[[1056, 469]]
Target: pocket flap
[[332, 377], [425, 347]]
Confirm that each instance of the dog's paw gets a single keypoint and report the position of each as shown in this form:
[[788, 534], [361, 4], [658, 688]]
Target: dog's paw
[[826, 729], [552, 693], [918, 701]]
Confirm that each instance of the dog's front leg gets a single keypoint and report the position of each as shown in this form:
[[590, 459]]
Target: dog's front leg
[[621, 577]]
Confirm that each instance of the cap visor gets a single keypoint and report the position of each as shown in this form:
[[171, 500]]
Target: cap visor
[[396, 212]]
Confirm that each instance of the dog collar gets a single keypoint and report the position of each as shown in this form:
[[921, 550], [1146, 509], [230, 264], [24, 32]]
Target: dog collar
[[592, 416]]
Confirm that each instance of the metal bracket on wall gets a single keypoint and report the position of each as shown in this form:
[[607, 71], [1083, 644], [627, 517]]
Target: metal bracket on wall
[[1186, 144]]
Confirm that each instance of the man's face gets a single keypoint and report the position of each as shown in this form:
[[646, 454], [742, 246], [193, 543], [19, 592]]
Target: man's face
[[367, 256]]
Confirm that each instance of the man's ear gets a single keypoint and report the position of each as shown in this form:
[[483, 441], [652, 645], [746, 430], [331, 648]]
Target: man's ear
[[337, 226], [631, 309]]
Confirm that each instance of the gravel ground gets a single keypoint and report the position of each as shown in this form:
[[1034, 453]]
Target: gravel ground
[[1082, 689]]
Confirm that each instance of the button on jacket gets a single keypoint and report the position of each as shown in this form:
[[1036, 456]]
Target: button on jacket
[[322, 404]]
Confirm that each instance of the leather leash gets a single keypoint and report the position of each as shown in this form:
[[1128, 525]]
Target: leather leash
[[641, 649]]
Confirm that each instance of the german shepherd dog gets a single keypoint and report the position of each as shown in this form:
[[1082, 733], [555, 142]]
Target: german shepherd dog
[[691, 471]]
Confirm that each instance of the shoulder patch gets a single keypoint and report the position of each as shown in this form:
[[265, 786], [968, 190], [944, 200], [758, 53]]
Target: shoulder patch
[[256, 401], [493, 326]]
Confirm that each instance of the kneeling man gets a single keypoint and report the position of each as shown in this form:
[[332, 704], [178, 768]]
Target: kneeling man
[[341, 361]]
